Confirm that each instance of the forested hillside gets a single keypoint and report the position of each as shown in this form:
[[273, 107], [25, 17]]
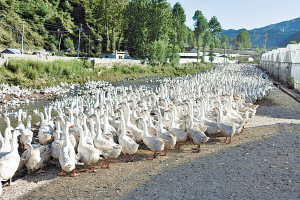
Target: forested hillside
[[139, 26]]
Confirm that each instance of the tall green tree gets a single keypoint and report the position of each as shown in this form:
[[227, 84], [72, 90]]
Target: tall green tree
[[223, 39], [217, 43], [158, 52], [160, 21], [207, 39], [147, 21], [105, 18], [174, 56], [215, 27], [201, 27], [179, 26], [189, 36], [68, 43], [137, 31], [211, 51], [231, 41], [243, 40]]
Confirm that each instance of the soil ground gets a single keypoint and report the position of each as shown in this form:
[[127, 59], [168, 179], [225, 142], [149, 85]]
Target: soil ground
[[261, 163]]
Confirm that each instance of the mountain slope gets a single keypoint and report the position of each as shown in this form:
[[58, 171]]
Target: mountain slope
[[294, 37], [279, 31]]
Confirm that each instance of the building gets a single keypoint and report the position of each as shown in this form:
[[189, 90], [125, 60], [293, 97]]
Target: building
[[115, 55], [12, 51], [192, 57]]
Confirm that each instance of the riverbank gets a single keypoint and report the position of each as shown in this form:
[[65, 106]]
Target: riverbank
[[39, 74], [31, 79]]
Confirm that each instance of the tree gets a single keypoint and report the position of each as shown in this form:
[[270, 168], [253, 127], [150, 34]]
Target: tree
[[68, 43], [243, 40], [105, 18], [189, 36], [217, 43], [174, 56], [231, 41], [201, 26], [179, 26], [293, 42], [147, 21], [211, 52], [137, 30], [223, 39], [157, 51], [207, 39], [52, 41], [215, 27], [256, 47]]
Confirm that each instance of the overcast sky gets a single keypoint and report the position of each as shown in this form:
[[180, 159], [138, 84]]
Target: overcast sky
[[238, 14]]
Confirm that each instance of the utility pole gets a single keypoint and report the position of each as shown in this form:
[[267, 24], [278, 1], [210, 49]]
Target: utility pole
[[58, 30], [79, 39], [22, 38], [89, 45]]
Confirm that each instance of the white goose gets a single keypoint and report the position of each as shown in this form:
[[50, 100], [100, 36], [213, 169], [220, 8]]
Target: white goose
[[9, 161], [57, 142], [155, 144], [152, 130], [195, 133], [212, 127], [20, 126], [227, 129], [6, 146], [33, 158], [129, 126], [129, 146], [110, 149], [180, 135], [88, 154], [27, 133], [44, 134], [67, 155], [169, 139]]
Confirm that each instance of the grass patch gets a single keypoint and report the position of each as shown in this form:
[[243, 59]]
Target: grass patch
[[37, 74]]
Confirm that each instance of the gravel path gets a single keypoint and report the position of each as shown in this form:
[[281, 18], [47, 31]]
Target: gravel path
[[261, 163]]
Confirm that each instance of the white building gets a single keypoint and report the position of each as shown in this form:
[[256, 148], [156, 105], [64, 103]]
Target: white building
[[192, 57], [115, 55]]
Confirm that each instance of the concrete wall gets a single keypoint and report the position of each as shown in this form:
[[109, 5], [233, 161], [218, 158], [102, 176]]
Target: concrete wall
[[98, 62]]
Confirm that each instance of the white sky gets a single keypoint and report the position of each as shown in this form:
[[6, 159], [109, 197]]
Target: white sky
[[238, 14]]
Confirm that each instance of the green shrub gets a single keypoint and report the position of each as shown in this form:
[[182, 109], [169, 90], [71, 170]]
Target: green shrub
[[291, 82], [31, 73]]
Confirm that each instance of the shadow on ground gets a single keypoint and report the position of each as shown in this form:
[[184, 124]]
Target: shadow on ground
[[265, 168]]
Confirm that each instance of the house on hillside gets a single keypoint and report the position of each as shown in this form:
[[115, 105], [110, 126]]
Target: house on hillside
[[115, 55], [12, 51], [191, 49]]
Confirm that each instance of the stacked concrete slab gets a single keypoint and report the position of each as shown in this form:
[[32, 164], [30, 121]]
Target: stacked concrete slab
[[283, 63]]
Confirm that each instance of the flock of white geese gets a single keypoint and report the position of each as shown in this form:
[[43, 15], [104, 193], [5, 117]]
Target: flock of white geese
[[115, 120]]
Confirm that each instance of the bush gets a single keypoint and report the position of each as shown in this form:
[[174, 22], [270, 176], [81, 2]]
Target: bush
[[291, 82], [31, 73]]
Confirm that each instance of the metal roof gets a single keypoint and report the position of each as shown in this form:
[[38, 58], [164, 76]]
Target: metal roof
[[12, 51]]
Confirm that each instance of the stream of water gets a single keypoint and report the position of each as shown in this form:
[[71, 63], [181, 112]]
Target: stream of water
[[77, 90]]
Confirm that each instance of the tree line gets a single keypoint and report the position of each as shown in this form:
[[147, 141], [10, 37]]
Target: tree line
[[149, 29]]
